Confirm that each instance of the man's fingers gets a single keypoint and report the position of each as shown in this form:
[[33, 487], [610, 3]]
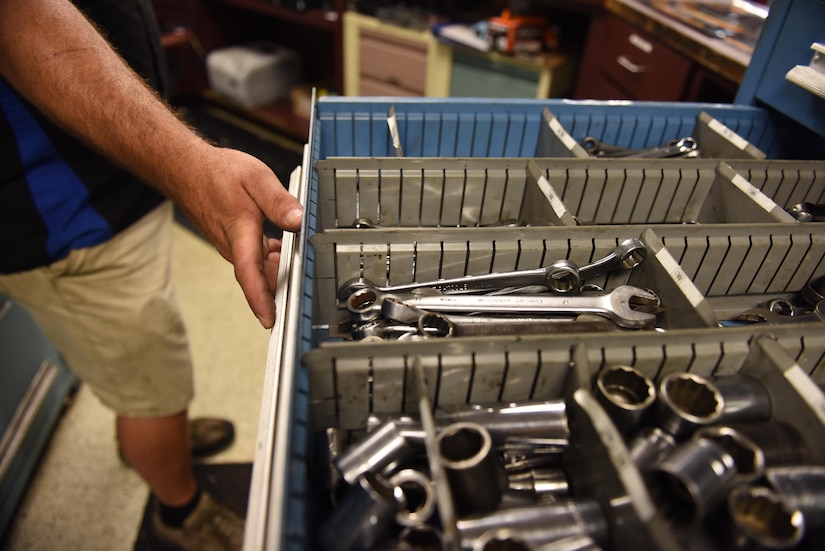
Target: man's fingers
[[248, 259], [281, 208]]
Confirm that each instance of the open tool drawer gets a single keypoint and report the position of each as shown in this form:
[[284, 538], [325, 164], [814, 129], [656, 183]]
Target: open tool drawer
[[473, 169]]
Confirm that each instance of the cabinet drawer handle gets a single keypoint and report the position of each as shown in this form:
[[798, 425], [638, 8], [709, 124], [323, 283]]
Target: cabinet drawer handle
[[629, 65]]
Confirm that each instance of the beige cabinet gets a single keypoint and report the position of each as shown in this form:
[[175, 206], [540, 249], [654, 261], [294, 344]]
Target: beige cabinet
[[386, 60], [381, 59]]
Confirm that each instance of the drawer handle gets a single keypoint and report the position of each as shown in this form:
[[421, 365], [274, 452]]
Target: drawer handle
[[629, 65]]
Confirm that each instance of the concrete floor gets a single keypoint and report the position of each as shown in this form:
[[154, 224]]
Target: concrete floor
[[81, 496]]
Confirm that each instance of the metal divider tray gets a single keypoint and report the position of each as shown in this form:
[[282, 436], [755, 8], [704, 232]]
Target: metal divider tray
[[434, 192], [474, 167]]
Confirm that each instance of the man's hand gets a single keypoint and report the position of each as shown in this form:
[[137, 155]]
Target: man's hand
[[228, 205]]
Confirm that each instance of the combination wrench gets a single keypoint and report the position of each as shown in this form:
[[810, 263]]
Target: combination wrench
[[560, 277], [626, 306]]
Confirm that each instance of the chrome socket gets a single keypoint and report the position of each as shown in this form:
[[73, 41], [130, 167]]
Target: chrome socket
[[692, 480], [364, 516], [745, 399], [626, 395], [546, 420], [539, 482], [802, 487], [757, 446], [424, 537], [419, 497], [687, 402], [540, 524], [473, 474], [385, 445], [650, 446], [762, 519]]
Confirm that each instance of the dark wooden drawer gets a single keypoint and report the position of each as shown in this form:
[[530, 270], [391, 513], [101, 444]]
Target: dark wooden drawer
[[393, 60], [642, 67]]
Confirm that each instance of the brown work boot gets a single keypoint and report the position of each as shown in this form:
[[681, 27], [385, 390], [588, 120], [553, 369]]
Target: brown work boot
[[210, 527], [209, 436]]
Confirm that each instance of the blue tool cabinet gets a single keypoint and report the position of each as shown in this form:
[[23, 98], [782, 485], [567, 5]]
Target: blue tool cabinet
[[34, 386], [314, 381]]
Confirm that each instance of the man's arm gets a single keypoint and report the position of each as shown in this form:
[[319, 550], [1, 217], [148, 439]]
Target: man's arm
[[54, 57]]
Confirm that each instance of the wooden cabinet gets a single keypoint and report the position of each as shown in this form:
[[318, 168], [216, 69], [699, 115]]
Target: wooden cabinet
[[621, 62]]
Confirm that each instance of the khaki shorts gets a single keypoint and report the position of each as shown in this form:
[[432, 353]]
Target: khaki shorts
[[111, 311]]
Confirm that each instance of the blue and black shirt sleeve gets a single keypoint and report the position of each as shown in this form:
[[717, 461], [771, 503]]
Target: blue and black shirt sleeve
[[56, 194]]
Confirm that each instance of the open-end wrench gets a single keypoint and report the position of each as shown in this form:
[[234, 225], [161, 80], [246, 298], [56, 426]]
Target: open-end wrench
[[618, 305], [560, 277]]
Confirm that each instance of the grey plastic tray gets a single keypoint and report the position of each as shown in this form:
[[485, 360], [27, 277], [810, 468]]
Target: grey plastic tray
[[433, 192]]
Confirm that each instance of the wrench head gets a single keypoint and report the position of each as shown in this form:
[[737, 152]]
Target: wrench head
[[351, 286], [630, 252], [633, 307], [562, 276]]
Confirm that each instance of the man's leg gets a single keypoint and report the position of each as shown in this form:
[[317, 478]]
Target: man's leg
[[158, 449]]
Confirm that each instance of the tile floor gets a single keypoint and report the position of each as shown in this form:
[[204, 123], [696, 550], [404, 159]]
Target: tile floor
[[81, 496]]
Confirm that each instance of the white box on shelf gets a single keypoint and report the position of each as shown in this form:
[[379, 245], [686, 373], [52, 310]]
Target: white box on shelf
[[254, 74]]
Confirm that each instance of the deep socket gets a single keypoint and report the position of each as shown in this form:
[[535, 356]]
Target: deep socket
[[745, 398], [475, 478], [626, 395], [540, 524], [383, 446]]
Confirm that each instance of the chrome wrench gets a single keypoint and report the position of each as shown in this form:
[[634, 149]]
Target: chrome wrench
[[561, 276], [620, 305]]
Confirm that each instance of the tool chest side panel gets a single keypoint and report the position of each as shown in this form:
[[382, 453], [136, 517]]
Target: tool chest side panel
[[494, 128]]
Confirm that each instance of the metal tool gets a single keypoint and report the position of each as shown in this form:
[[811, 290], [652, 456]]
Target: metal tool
[[419, 495], [539, 482], [692, 480], [364, 517], [762, 519], [814, 291], [626, 395], [561, 276], [650, 446], [541, 524], [765, 316], [808, 212], [746, 454], [802, 487], [424, 537], [383, 446], [624, 305], [687, 402], [434, 324], [682, 147], [474, 476], [744, 398]]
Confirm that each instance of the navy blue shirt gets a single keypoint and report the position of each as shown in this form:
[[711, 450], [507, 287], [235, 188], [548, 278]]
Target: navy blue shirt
[[56, 194]]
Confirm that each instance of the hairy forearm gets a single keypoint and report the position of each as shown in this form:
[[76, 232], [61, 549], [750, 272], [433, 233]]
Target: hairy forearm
[[56, 59]]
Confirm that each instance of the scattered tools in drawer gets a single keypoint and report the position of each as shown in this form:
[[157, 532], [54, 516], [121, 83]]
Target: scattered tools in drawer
[[708, 453]]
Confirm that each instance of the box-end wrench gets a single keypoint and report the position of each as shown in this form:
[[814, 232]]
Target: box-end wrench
[[561, 276], [626, 306]]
